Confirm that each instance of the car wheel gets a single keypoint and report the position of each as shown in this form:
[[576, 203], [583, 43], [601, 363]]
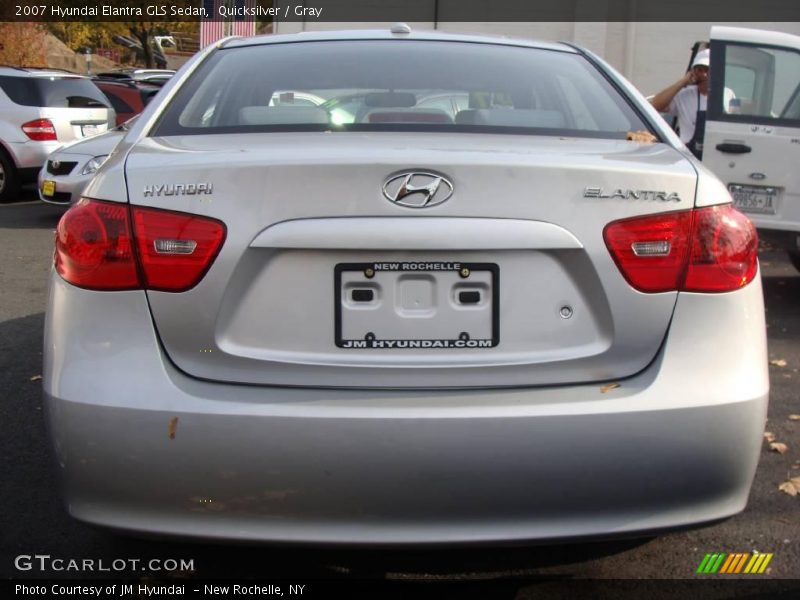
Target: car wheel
[[9, 181], [794, 257]]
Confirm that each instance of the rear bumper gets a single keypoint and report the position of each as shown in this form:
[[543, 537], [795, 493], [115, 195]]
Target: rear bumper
[[788, 240], [32, 155], [142, 447], [783, 228]]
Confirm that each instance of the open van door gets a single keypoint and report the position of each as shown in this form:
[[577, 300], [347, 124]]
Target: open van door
[[753, 143]]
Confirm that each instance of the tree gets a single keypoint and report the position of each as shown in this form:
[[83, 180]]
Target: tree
[[95, 33], [76, 35], [22, 44], [143, 32], [79, 35]]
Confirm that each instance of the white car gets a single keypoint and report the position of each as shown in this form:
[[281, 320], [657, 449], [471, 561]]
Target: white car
[[755, 148], [40, 110], [69, 169], [535, 318]]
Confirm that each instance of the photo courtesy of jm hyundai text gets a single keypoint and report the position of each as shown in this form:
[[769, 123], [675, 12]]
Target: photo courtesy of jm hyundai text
[[403, 287]]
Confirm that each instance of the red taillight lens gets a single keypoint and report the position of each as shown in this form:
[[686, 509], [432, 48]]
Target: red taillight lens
[[724, 251], [175, 249], [651, 251], [40, 130], [712, 249], [96, 247]]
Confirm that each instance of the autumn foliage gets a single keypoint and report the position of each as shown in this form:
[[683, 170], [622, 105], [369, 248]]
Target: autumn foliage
[[22, 44]]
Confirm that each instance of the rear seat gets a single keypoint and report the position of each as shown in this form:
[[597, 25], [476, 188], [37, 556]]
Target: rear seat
[[511, 117], [282, 115], [407, 115]]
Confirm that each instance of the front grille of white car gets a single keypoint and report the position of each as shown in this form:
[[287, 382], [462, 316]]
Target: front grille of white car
[[60, 168]]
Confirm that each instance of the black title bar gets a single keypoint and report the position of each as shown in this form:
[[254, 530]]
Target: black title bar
[[413, 11]]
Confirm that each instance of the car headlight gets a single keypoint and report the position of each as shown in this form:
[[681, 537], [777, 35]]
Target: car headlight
[[94, 164]]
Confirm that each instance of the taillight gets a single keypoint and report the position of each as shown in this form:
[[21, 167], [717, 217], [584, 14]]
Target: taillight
[[94, 248], [175, 249], [724, 251], [651, 251], [40, 130], [713, 249], [98, 246]]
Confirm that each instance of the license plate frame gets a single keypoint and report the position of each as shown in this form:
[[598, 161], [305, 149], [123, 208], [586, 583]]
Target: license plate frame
[[90, 129], [48, 188], [485, 276], [754, 199]]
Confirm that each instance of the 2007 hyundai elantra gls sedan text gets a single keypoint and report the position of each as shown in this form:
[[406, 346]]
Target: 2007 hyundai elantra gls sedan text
[[489, 317]]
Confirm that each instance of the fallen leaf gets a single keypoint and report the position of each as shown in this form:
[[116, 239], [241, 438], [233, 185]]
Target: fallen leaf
[[607, 388], [789, 488], [778, 362], [769, 436], [36, 378], [794, 417], [641, 136], [173, 427], [779, 447]]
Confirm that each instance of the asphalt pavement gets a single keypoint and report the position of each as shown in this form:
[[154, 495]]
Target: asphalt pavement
[[34, 522]]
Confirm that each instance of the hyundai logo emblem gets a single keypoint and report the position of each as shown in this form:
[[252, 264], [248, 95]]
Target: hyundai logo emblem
[[417, 189]]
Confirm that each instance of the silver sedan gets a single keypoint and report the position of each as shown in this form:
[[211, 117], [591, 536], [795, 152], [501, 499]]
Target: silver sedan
[[69, 169], [527, 315]]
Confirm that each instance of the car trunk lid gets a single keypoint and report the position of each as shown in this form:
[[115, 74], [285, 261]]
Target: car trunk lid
[[323, 281]]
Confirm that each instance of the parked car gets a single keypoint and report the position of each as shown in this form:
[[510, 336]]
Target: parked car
[[157, 77], [69, 169], [354, 107], [41, 110], [157, 80], [512, 324], [127, 97], [753, 145], [295, 98]]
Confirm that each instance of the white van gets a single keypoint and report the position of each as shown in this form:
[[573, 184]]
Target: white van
[[753, 145]]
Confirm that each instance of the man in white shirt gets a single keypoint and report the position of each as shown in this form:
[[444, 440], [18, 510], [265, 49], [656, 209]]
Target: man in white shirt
[[687, 99]]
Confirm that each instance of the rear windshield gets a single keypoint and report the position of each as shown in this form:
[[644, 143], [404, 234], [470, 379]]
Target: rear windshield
[[53, 92], [398, 85]]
